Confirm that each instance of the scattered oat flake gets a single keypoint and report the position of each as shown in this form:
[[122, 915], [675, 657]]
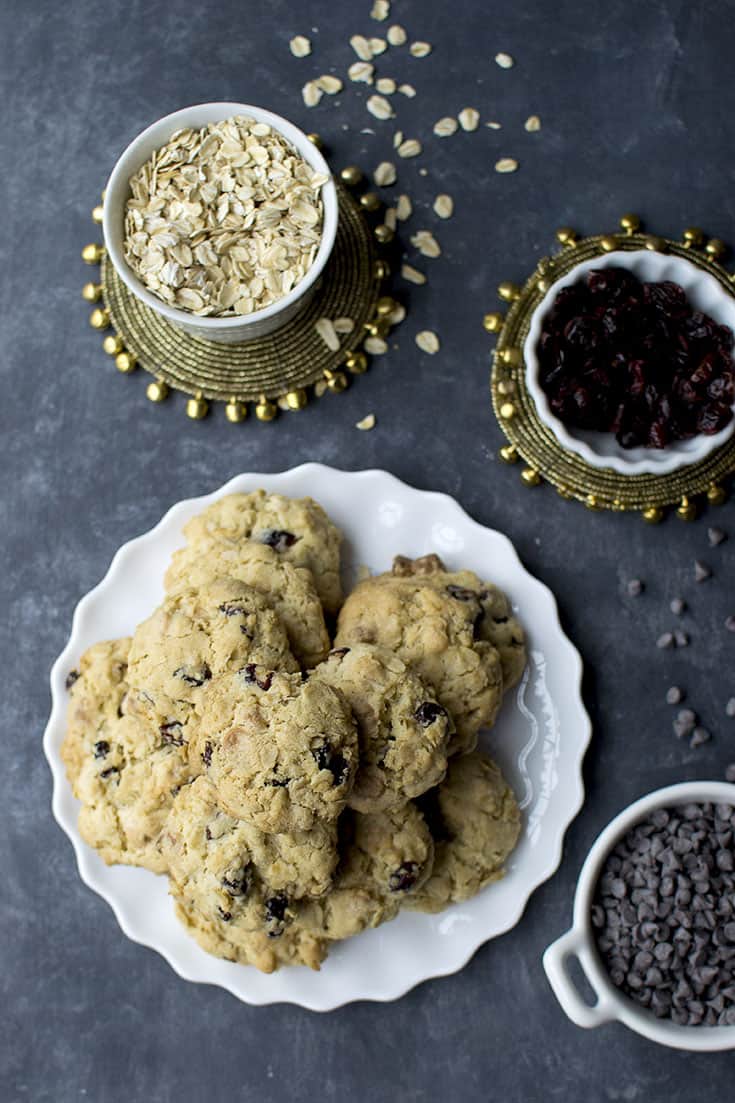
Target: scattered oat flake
[[390, 218], [412, 274], [379, 107], [494, 126], [505, 61], [444, 206], [427, 341], [426, 243], [361, 71], [532, 124], [385, 174], [506, 164], [404, 208], [410, 148], [386, 86], [361, 46], [397, 315], [446, 126], [365, 423], [376, 346], [378, 46], [311, 93], [325, 329], [343, 325], [396, 35], [420, 49], [407, 90], [397, 138], [469, 118], [380, 10], [329, 84], [300, 46]]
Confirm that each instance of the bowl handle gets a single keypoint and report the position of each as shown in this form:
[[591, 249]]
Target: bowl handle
[[574, 944]]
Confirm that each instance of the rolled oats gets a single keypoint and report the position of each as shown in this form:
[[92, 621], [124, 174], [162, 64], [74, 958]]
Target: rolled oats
[[469, 118], [445, 127], [426, 243], [300, 46], [385, 174], [506, 164], [379, 107], [444, 206], [361, 71], [410, 148], [396, 35], [420, 49], [427, 341]]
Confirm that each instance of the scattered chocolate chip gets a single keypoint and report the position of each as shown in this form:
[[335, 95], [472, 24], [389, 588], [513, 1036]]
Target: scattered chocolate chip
[[701, 571], [109, 772], [666, 640], [730, 624], [730, 707], [328, 759], [193, 677], [101, 748], [677, 606], [715, 537], [403, 878], [681, 639], [171, 733], [225, 916], [250, 676], [428, 712], [278, 539], [461, 593], [674, 695], [71, 678], [635, 587], [699, 736], [207, 754]]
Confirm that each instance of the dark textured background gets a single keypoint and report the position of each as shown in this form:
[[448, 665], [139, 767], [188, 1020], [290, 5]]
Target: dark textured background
[[637, 103]]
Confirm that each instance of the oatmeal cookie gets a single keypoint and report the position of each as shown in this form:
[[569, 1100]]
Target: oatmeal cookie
[[475, 821], [282, 752], [298, 529], [403, 732]]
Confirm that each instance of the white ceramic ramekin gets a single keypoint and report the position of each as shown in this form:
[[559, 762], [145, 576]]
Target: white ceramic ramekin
[[601, 450], [235, 329], [579, 942]]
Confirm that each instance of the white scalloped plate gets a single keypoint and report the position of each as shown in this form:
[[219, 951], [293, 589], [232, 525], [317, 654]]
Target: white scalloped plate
[[539, 741]]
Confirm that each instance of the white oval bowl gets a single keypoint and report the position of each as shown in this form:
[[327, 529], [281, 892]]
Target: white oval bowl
[[539, 740], [579, 942], [601, 450], [232, 329]]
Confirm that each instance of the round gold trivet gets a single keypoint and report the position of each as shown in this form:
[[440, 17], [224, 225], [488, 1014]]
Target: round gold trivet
[[534, 443], [271, 371]]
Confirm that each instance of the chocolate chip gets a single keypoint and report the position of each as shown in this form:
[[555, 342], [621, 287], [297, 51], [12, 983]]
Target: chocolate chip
[[635, 587], [674, 695], [699, 736], [101, 748], [275, 914], [730, 707], [193, 677], [715, 537], [250, 676], [328, 759], [71, 678], [171, 733], [677, 606], [680, 638], [278, 539], [666, 640], [109, 772], [701, 571], [225, 916], [403, 878], [730, 624], [207, 754], [428, 712]]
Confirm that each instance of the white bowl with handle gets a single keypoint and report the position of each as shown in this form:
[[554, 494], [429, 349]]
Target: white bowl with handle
[[612, 1005], [243, 327]]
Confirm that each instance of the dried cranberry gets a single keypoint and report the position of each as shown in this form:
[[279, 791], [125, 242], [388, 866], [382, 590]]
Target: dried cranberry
[[428, 712], [193, 677], [101, 748], [207, 754], [275, 914], [71, 678], [171, 733], [237, 882], [328, 759], [249, 675], [278, 539], [225, 916], [109, 772], [403, 878]]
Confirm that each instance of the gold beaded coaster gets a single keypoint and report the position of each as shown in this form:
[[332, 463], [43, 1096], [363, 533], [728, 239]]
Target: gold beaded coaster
[[274, 371], [532, 442]]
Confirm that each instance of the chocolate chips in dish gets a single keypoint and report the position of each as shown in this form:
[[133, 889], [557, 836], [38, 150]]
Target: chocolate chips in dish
[[635, 359]]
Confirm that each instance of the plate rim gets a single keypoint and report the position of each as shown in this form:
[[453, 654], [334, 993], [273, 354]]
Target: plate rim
[[60, 666]]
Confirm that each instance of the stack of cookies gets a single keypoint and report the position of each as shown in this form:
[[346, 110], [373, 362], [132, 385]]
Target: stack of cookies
[[297, 793]]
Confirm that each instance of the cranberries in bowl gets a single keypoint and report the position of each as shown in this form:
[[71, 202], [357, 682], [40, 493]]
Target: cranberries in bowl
[[629, 362]]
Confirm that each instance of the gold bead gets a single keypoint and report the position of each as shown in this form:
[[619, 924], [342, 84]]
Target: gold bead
[[715, 248], [493, 322], [508, 291], [655, 244], [507, 411], [91, 292], [608, 243], [113, 345], [356, 362], [235, 411], [315, 140], [530, 476], [508, 453], [716, 495], [381, 270], [693, 237], [92, 254], [370, 201], [125, 362], [543, 285], [296, 400], [99, 318], [566, 236], [385, 306], [197, 407], [630, 223], [653, 515], [336, 381], [591, 502], [384, 234], [380, 327], [265, 410], [97, 214], [351, 176], [506, 386], [512, 357], [157, 391], [687, 510]]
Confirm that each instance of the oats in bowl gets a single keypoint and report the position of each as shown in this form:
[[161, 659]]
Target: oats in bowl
[[224, 220]]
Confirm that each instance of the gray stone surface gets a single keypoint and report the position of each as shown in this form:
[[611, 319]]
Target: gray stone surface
[[636, 103]]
